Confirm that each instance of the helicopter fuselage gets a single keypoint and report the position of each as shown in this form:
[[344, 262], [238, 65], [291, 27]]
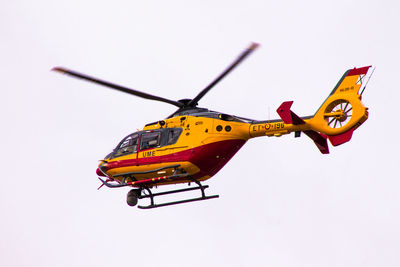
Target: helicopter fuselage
[[201, 143], [193, 143]]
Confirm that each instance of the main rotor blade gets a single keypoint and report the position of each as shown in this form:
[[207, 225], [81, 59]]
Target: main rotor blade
[[239, 59], [115, 86]]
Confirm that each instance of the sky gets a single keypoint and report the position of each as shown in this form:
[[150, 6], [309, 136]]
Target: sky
[[282, 203]]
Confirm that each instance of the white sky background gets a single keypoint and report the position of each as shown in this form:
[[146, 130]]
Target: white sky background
[[282, 203]]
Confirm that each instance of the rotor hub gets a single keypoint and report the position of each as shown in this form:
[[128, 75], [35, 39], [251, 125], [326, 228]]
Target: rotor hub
[[341, 115], [185, 101]]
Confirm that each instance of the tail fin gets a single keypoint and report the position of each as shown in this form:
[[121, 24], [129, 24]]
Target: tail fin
[[342, 112]]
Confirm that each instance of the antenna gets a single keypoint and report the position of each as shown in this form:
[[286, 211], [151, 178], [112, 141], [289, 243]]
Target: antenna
[[367, 81]]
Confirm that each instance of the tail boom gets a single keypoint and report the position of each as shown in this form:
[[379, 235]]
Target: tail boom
[[337, 118]]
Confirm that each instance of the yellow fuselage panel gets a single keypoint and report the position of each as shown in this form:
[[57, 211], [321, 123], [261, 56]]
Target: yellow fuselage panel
[[190, 168]]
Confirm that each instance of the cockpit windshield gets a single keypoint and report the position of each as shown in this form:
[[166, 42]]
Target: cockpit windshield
[[147, 139], [127, 146]]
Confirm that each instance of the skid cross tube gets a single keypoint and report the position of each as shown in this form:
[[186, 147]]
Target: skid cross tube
[[151, 195]]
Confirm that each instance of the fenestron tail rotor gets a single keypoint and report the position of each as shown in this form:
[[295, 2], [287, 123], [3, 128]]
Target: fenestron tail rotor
[[181, 104], [338, 114]]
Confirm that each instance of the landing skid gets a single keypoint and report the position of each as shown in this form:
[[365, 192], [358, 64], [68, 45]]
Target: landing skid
[[151, 195], [143, 186]]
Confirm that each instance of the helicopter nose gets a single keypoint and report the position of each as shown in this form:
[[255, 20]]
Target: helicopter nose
[[99, 173], [101, 170]]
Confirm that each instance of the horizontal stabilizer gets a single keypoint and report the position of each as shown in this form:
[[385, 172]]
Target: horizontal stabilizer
[[288, 116]]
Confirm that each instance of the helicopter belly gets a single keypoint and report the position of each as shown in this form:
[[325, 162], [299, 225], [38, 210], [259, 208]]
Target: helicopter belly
[[212, 157], [147, 169]]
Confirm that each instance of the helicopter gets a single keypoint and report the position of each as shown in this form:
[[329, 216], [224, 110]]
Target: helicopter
[[192, 144]]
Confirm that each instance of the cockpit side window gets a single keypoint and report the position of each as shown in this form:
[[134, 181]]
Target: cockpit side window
[[127, 146], [173, 135], [150, 140]]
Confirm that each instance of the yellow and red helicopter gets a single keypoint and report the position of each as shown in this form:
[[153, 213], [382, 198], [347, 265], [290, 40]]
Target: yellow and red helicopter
[[193, 144]]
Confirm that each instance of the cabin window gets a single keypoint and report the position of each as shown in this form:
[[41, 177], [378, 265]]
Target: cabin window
[[127, 146], [150, 140], [173, 135]]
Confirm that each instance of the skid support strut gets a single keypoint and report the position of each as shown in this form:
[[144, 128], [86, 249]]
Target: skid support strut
[[151, 195]]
